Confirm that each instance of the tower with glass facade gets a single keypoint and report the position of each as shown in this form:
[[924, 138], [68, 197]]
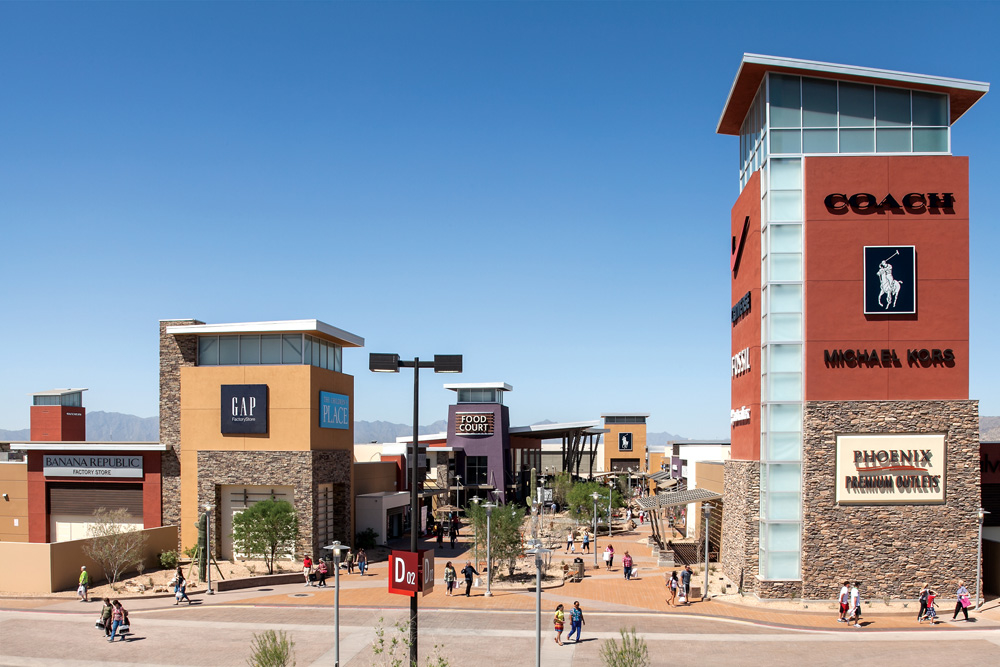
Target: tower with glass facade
[[849, 267]]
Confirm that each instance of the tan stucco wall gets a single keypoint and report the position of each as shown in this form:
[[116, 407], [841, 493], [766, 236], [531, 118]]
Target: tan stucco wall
[[374, 477], [638, 432], [709, 475], [14, 482]]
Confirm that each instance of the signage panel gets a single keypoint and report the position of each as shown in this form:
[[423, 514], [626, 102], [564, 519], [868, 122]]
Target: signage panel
[[875, 469], [625, 442], [103, 465], [474, 423], [244, 408], [411, 573], [890, 280], [334, 410]]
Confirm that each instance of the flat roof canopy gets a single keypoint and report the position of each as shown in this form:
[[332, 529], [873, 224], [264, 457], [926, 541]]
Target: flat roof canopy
[[963, 94], [546, 431], [313, 327], [675, 498]]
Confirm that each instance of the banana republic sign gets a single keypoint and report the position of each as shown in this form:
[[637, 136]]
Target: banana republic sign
[[875, 469], [66, 465], [244, 408]]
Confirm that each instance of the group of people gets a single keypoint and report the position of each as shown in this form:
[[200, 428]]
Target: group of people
[[451, 577], [452, 530], [928, 611], [315, 573], [576, 622], [114, 620], [850, 604], [679, 588], [571, 542]]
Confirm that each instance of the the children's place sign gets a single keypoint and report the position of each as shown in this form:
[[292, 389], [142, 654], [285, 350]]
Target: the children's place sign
[[890, 468], [75, 465]]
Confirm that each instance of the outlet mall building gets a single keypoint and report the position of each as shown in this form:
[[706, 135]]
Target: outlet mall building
[[855, 448]]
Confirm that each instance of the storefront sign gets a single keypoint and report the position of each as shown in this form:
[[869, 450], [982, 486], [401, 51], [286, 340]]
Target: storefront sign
[[741, 362], [334, 410], [913, 202], [65, 465], [244, 408], [887, 358], [890, 468], [989, 462], [474, 423], [890, 280], [737, 251], [741, 308], [739, 415], [625, 442]]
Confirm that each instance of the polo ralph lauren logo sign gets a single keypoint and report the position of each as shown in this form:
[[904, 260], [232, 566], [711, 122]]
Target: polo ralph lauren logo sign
[[244, 408], [890, 280]]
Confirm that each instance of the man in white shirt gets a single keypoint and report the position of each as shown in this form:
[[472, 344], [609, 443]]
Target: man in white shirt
[[844, 599], [856, 604]]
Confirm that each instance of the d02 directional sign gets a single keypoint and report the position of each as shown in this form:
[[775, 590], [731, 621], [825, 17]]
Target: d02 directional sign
[[411, 573]]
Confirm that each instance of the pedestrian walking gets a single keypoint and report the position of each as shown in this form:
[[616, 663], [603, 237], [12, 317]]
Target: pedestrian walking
[[449, 578], [686, 585], [559, 622], [321, 572], [586, 541], [672, 585], [349, 561], [569, 541], [931, 613], [963, 601], [468, 571], [180, 587], [119, 619], [844, 599], [609, 557], [439, 532], [362, 562], [454, 535], [627, 565], [856, 604], [922, 597], [576, 621], [307, 566], [84, 587], [106, 616]]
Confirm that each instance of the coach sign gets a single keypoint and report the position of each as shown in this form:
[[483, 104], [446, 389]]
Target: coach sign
[[883, 468], [244, 408]]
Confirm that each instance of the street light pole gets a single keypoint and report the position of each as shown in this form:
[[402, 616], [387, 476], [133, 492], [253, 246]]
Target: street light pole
[[539, 553], [595, 495], [611, 494], [979, 560], [208, 547], [708, 514], [475, 527], [336, 547], [391, 363], [489, 551]]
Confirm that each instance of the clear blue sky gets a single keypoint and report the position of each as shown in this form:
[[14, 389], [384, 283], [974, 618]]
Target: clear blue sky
[[537, 186]]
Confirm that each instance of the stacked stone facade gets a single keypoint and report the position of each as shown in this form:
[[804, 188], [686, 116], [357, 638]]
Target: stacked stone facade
[[175, 352], [740, 520]]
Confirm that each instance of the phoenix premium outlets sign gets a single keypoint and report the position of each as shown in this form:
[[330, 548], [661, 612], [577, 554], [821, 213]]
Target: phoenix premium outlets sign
[[474, 423], [890, 468], [65, 465], [244, 408]]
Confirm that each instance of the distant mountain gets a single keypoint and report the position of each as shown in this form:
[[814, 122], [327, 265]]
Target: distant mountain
[[118, 427], [989, 429], [22, 435], [661, 438], [380, 431]]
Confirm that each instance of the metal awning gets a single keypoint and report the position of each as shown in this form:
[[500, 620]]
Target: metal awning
[[675, 498]]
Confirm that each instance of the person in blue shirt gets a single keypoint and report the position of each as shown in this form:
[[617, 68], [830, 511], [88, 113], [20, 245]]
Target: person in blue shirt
[[575, 621]]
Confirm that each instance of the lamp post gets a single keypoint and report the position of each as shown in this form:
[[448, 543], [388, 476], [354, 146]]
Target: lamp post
[[611, 494], [595, 495], [458, 484], [707, 507], [391, 363], [979, 560], [539, 553], [475, 527], [208, 547], [336, 547], [489, 551]]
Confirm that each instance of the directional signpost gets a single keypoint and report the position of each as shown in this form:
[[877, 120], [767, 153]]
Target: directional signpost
[[411, 573]]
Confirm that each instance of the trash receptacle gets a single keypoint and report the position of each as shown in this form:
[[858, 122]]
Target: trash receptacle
[[579, 567]]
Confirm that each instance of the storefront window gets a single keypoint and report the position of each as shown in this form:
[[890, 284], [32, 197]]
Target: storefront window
[[476, 470]]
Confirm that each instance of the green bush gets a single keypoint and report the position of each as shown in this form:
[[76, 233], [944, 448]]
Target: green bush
[[271, 649], [168, 560], [631, 653], [366, 539]]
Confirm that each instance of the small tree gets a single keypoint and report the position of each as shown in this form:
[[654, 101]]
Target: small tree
[[562, 483], [581, 503], [266, 529], [271, 649], [114, 542], [505, 532], [632, 652]]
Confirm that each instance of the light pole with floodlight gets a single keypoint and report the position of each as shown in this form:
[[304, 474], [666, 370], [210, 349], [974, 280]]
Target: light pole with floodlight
[[595, 495], [489, 551], [707, 507], [611, 494], [208, 547], [979, 560], [539, 553], [391, 363], [336, 547]]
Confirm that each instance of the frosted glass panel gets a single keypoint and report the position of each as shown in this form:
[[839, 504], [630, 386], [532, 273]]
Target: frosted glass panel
[[785, 387], [208, 350], [819, 103], [782, 565], [857, 105], [892, 141], [784, 446], [930, 109], [786, 238], [785, 141], [786, 205], [270, 349], [930, 141], [786, 267], [785, 418], [783, 536], [819, 141], [785, 298], [785, 104], [784, 507], [783, 477], [249, 350], [892, 107], [857, 141], [291, 349], [785, 327], [785, 358], [786, 174], [229, 350]]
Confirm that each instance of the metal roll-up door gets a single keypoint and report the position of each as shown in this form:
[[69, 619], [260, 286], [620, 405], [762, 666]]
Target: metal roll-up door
[[83, 499]]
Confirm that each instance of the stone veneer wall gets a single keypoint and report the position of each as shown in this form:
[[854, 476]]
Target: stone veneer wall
[[740, 520], [303, 470], [175, 352], [891, 549]]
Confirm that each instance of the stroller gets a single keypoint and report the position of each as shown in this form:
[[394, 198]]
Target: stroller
[[931, 613]]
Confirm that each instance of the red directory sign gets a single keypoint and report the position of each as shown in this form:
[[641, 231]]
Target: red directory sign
[[410, 573]]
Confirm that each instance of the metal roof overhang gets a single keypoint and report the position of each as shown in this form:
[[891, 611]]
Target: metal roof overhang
[[673, 499], [547, 431]]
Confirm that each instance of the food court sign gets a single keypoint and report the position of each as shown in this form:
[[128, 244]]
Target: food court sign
[[65, 465], [890, 468]]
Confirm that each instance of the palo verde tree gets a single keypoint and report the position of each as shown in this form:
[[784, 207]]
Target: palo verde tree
[[505, 532], [580, 501], [115, 543], [266, 529]]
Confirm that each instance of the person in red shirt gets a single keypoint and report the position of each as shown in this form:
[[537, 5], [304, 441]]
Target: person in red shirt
[[307, 566]]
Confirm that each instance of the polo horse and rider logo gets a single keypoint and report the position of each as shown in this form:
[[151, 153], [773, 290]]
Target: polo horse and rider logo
[[888, 285]]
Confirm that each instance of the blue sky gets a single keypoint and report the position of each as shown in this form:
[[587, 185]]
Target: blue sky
[[536, 186]]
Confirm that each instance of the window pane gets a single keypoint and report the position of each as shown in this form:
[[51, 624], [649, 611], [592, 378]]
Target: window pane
[[930, 141], [785, 387], [786, 238], [786, 205], [291, 348], [857, 105], [783, 536], [783, 477], [786, 298], [249, 350], [324, 355], [782, 565], [786, 267], [785, 141], [785, 102], [892, 141], [819, 103], [930, 109], [784, 507], [208, 350], [857, 141], [786, 174], [229, 350], [307, 349], [784, 447], [819, 141], [785, 418], [270, 349], [785, 327], [892, 107], [338, 362], [786, 358]]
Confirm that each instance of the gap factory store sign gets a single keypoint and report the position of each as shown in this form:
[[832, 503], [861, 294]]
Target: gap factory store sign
[[890, 468], [244, 408], [64, 465]]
